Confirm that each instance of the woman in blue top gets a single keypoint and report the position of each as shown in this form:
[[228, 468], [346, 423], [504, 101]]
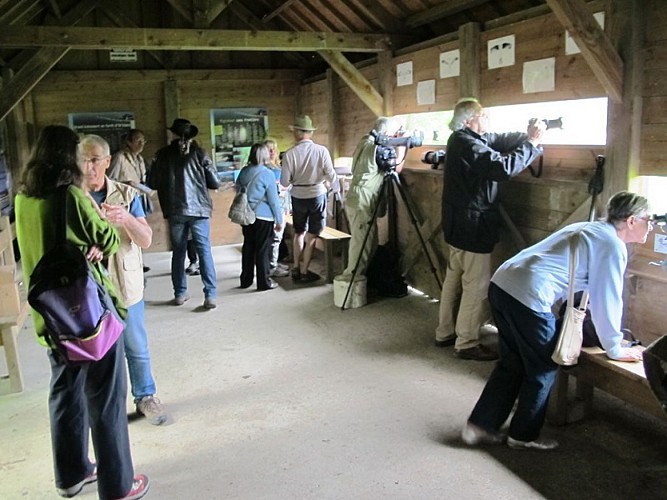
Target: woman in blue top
[[260, 185], [522, 293]]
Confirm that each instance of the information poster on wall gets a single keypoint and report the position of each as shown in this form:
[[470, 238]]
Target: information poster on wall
[[111, 125], [233, 131]]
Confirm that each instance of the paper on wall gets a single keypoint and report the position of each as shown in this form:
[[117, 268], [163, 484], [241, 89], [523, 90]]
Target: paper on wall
[[500, 52], [450, 64], [539, 76], [426, 92], [404, 74]]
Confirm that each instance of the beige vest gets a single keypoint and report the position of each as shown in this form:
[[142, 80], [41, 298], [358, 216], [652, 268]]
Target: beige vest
[[126, 266]]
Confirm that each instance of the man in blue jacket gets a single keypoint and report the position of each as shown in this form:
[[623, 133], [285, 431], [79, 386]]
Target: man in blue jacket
[[475, 163]]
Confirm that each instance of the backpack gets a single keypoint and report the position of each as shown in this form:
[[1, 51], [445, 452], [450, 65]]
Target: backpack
[[81, 321], [240, 212]]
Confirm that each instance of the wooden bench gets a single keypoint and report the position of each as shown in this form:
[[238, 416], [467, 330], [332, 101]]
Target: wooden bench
[[13, 310], [332, 242], [626, 381]]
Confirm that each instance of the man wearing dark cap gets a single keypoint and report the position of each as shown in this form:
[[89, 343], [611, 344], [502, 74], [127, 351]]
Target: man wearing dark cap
[[306, 167], [182, 173]]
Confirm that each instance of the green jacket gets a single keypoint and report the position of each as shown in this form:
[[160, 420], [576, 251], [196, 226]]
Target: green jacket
[[36, 233]]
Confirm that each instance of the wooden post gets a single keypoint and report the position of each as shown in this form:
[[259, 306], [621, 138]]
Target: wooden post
[[386, 77], [332, 125], [469, 43], [172, 103]]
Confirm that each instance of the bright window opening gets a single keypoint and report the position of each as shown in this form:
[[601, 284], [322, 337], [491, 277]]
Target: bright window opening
[[654, 189]]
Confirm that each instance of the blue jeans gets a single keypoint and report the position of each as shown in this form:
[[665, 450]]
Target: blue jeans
[[525, 370], [199, 227], [135, 339]]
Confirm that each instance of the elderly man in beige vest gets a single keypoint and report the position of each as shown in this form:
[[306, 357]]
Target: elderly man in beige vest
[[122, 207]]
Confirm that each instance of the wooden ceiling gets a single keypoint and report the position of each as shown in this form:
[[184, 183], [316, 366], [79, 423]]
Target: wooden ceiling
[[401, 22]]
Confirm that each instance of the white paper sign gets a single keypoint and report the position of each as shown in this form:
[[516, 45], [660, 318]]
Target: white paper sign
[[570, 45], [501, 52], [426, 92], [123, 55], [404, 74], [450, 64], [539, 76]]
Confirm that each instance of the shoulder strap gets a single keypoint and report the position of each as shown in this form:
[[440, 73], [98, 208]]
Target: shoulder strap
[[573, 269], [61, 213]]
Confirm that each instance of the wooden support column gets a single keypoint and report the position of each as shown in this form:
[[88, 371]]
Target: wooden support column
[[354, 79], [332, 125], [172, 103], [627, 25], [386, 75], [470, 46]]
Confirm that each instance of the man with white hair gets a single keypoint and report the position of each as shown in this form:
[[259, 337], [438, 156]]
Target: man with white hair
[[307, 167], [476, 162], [364, 195], [122, 207]]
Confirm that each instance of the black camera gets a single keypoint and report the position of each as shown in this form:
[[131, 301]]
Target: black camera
[[658, 219], [385, 153], [555, 123], [433, 157]]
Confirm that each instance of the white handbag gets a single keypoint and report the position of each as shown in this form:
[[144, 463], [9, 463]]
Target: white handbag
[[571, 336]]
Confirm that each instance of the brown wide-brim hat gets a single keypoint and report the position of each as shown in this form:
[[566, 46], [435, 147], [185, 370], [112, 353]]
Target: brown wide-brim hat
[[303, 123], [183, 128]]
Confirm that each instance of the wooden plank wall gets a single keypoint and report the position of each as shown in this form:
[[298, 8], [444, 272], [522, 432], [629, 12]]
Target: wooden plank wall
[[142, 92], [537, 206]]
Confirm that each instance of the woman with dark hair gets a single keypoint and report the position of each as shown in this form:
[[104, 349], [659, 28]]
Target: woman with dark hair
[[522, 293], [260, 185], [85, 397]]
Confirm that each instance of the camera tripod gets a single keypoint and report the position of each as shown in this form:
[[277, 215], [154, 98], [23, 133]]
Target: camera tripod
[[386, 193]]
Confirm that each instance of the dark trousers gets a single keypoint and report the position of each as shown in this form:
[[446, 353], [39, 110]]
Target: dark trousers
[[255, 253], [525, 370], [91, 396]]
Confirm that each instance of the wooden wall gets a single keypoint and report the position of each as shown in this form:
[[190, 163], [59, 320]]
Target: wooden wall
[[197, 92]]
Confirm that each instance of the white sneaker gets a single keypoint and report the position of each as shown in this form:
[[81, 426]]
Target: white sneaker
[[473, 435], [541, 444]]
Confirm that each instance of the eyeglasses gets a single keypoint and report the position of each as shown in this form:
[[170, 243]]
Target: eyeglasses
[[649, 220], [95, 160], [481, 115]]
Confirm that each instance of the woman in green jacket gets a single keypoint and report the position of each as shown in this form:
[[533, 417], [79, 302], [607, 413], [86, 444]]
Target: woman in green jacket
[[87, 396]]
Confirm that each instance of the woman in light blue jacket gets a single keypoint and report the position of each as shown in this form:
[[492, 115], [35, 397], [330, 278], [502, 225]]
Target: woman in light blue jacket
[[260, 185]]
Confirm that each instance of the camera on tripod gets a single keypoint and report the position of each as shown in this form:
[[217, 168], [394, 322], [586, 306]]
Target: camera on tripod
[[555, 123], [385, 153]]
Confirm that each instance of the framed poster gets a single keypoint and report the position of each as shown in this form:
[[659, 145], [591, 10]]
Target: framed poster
[[233, 131], [111, 125]]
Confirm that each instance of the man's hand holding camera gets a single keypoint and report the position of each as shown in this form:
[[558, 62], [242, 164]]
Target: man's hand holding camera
[[536, 129]]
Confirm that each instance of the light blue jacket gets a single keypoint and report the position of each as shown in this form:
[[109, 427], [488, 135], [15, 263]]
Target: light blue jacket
[[538, 276], [262, 192]]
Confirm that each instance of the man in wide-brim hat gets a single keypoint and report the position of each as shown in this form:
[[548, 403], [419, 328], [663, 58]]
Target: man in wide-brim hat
[[182, 173], [308, 168]]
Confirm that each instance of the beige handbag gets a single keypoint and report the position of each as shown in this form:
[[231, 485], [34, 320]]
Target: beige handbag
[[571, 336]]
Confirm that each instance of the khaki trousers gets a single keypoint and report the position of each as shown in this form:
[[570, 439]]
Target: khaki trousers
[[463, 303]]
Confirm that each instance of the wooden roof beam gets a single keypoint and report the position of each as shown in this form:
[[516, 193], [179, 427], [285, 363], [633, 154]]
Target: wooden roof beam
[[183, 8], [277, 11], [355, 80], [595, 45], [21, 12], [55, 9], [188, 39], [440, 11], [217, 7]]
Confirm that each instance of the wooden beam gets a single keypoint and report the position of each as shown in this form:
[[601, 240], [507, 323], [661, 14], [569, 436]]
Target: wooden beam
[[183, 8], [332, 106], [355, 80], [172, 104], [277, 11], [55, 9], [440, 11], [469, 46], [28, 76], [187, 39], [217, 7], [200, 13], [18, 12], [117, 17], [595, 46], [386, 76]]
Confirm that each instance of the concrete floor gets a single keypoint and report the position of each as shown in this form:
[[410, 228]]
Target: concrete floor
[[280, 395]]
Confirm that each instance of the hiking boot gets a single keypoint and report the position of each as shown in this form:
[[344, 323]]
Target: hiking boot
[[151, 408], [76, 489], [180, 300], [192, 269], [473, 435], [278, 272], [446, 342], [209, 303], [540, 444], [140, 486], [478, 353]]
